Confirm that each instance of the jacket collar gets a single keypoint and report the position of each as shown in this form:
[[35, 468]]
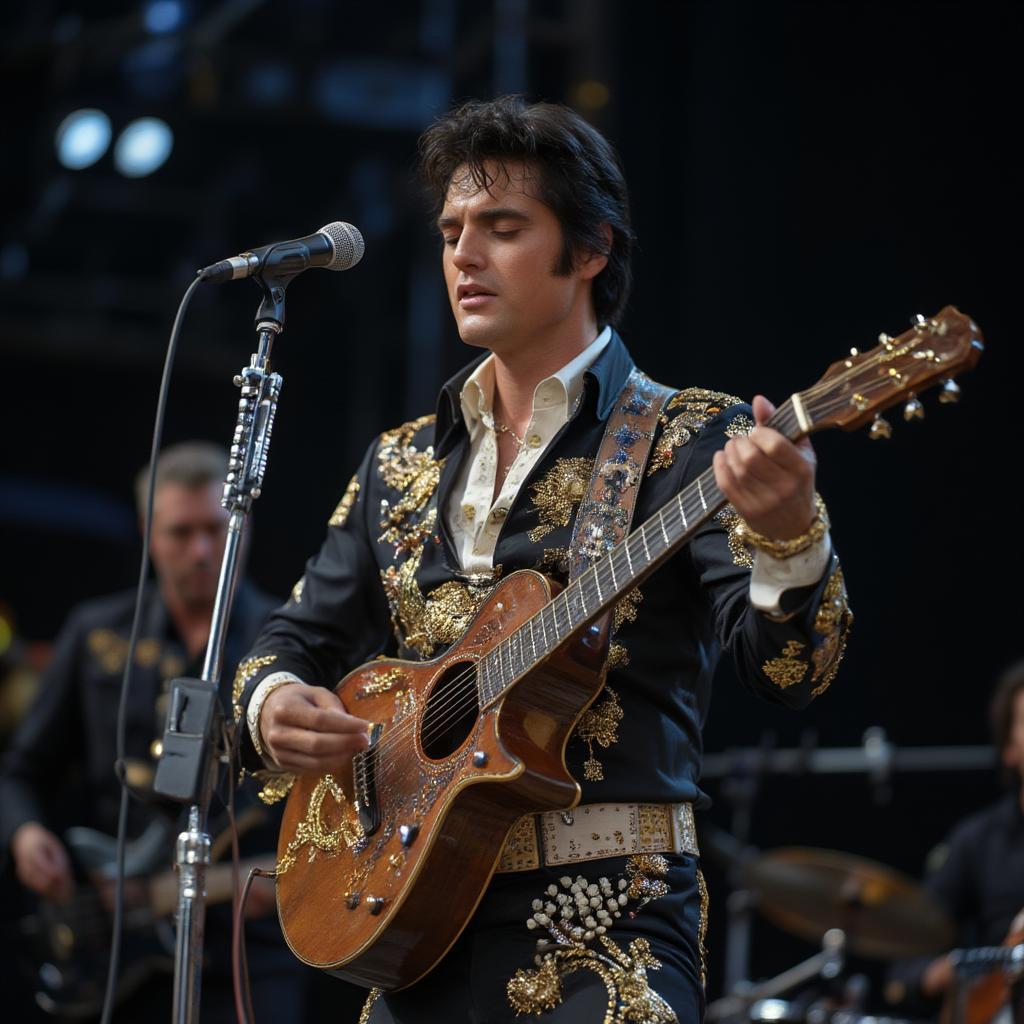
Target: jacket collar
[[607, 374]]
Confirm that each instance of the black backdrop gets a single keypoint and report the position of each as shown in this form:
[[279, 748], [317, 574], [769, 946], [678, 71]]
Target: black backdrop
[[804, 176]]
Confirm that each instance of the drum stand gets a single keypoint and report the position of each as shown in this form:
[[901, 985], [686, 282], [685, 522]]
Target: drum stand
[[826, 965], [742, 771]]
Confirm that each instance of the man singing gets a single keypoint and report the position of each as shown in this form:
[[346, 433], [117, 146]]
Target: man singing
[[533, 215]]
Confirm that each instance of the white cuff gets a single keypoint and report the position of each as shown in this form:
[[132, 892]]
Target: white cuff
[[252, 713], [772, 577]]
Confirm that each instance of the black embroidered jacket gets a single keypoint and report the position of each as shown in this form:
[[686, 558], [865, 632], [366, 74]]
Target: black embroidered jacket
[[385, 581]]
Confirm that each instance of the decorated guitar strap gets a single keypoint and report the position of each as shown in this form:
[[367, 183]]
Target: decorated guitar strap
[[606, 511]]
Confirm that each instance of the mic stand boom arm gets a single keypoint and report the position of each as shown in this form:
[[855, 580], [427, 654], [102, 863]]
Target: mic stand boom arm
[[194, 735]]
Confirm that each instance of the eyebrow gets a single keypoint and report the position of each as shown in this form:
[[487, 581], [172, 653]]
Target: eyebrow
[[489, 216]]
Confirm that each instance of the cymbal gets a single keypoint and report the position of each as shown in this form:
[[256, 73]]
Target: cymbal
[[885, 914]]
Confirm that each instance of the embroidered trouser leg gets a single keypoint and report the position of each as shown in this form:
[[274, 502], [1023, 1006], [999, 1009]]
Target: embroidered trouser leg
[[646, 967]]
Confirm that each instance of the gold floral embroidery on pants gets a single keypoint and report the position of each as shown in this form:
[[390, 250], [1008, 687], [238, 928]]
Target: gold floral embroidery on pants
[[788, 670], [558, 492], [577, 912]]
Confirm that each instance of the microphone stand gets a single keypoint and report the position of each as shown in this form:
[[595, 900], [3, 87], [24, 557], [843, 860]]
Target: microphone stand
[[195, 740]]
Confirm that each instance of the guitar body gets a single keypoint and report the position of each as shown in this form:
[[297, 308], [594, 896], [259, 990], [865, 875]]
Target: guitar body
[[379, 902]]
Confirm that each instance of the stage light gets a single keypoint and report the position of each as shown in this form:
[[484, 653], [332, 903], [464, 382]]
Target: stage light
[[82, 138], [143, 147], [163, 16]]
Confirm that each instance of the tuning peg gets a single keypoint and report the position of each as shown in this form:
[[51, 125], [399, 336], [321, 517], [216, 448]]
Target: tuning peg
[[881, 429], [913, 410], [950, 393]]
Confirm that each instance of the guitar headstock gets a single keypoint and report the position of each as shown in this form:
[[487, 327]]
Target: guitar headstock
[[856, 389]]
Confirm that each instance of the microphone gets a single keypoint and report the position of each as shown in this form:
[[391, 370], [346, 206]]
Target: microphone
[[336, 246]]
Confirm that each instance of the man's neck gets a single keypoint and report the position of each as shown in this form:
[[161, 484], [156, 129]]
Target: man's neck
[[517, 373], [192, 622]]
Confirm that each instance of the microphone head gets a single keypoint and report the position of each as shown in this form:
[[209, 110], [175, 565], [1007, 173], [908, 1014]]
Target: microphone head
[[347, 242]]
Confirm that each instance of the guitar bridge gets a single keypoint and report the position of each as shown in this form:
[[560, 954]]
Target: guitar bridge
[[364, 781]]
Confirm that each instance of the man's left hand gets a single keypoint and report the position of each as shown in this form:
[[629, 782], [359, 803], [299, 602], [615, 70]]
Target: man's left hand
[[768, 478]]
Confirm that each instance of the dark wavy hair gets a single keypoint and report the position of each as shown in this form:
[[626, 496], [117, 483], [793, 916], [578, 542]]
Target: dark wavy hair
[[579, 179]]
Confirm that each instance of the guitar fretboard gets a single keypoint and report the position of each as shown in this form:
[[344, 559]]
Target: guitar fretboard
[[611, 576]]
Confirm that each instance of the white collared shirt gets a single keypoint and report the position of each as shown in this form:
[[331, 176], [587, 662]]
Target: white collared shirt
[[475, 516]]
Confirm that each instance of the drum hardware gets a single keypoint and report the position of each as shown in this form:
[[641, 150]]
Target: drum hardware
[[742, 771], [740, 1003]]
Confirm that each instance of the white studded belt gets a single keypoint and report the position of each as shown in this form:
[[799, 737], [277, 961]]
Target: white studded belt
[[592, 831]]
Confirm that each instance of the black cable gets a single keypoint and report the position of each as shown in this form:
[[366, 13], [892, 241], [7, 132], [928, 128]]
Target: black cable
[[122, 708]]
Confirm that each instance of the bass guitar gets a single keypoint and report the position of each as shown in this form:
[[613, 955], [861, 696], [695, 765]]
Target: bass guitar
[[380, 870]]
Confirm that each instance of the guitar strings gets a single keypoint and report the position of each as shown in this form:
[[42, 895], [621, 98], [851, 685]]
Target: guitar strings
[[461, 686]]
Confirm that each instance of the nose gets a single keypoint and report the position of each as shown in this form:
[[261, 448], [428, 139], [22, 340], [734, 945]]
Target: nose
[[201, 546], [468, 254]]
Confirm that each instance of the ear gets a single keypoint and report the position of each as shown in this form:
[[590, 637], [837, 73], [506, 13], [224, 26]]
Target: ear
[[597, 259]]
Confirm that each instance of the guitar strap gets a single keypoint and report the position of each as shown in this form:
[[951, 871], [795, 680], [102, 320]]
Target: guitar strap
[[606, 511]]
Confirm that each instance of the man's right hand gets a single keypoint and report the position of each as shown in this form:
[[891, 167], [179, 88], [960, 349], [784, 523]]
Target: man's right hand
[[41, 862], [306, 729]]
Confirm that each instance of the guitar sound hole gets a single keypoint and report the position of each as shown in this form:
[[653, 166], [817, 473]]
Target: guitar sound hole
[[451, 711]]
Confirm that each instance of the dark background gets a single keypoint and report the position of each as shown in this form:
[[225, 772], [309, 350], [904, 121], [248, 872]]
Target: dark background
[[804, 176]]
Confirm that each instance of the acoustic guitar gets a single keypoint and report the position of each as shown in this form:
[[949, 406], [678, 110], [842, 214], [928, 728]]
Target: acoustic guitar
[[380, 870]]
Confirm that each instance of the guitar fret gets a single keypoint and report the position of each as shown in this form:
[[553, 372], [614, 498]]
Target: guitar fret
[[700, 491], [597, 583], [511, 674], [544, 630], [682, 510], [643, 537], [661, 521], [611, 569], [533, 641], [629, 557]]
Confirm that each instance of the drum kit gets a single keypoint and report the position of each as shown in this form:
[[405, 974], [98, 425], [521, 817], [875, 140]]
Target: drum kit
[[850, 906]]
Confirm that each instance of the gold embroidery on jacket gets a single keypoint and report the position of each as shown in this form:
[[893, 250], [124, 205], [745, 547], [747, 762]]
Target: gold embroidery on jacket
[[739, 426], [833, 622], [787, 670], [246, 671], [276, 785], [733, 525], [440, 618], [699, 406], [600, 725], [399, 462], [348, 499], [558, 492]]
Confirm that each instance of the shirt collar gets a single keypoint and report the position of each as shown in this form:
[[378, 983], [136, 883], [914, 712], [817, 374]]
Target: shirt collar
[[608, 371], [562, 388]]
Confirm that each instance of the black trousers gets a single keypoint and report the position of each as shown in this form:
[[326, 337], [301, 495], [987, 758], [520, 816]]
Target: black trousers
[[469, 986]]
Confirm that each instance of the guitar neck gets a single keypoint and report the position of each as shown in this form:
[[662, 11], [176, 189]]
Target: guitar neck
[[627, 564]]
